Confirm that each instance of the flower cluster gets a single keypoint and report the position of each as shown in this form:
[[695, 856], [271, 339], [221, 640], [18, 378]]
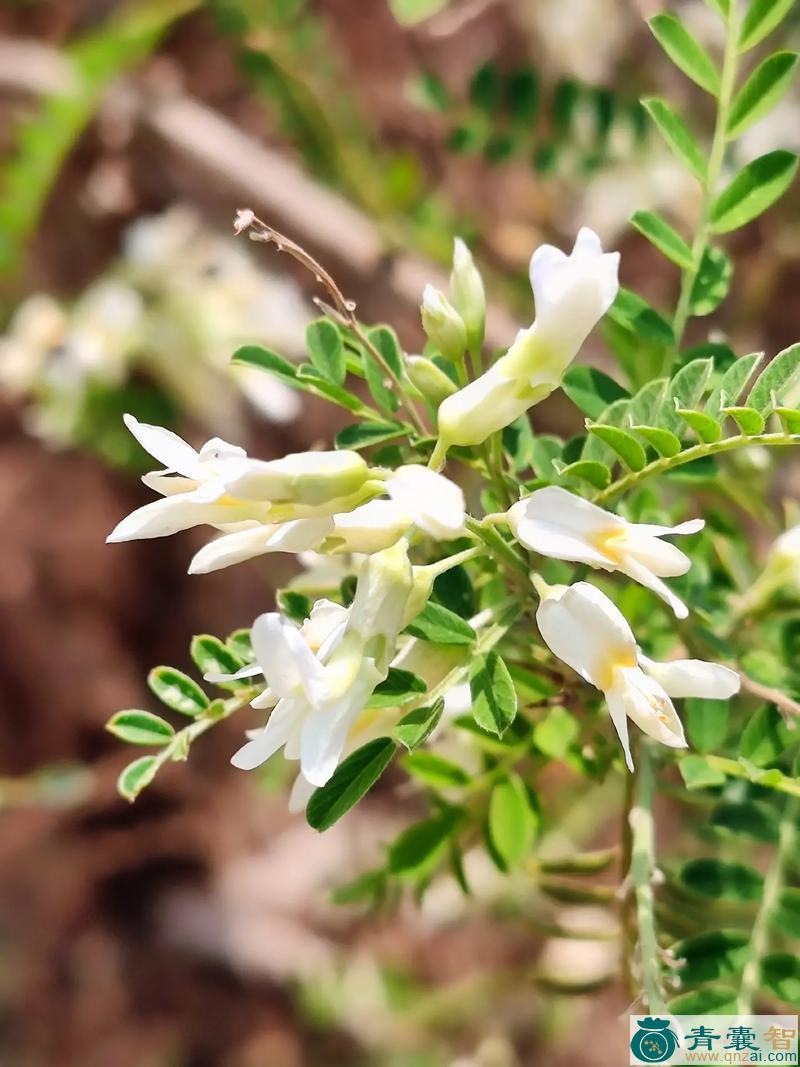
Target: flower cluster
[[319, 675]]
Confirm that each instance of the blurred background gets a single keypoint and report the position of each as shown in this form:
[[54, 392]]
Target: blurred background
[[197, 927]]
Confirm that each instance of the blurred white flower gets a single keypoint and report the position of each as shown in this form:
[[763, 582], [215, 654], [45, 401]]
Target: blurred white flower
[[561, 525], [584, 629]]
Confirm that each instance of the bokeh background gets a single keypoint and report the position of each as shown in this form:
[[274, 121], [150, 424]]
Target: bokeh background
[[196, 927]]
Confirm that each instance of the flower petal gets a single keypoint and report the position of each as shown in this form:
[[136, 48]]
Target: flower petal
[[373, 526], [619, 717], [166, 447], [561, 525], [325, 730], [435, 504], [660, 557], [693, 678], [296, 536], [649, 706], [643, 576], [288, 663], [281, 725], [244, 672], [301, 793], [584, 629], [172, 514]]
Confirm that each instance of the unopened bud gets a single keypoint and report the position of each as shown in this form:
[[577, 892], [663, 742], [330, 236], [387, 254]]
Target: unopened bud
[[302, 478], [467, 292], [443, 324], [431, 380]]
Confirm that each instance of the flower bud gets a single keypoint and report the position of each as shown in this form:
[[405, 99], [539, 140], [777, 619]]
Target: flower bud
[[304, 478], [431, 380], [443, 325], [467, 292]]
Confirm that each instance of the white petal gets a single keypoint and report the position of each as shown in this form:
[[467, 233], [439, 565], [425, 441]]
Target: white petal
[[457, 701], [587, 243], [166, 447], [311, 477], [286, 660], [649, 706], [325, 730], [691, 526], [644, 577], [296, 536], [264, 700], [326, 620], [167, 483], [282, 723], [545, 261], [619, 717], [693, 678], [373, 526], [561, 525], [244, 672], [435, 504], [302, 791], [660, 557], [216, 450], [170, 515], [585, 630]]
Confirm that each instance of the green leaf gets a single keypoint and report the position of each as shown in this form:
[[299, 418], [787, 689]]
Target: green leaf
[[722, 7], [685, 51], [384, 339], [420, 846], [591, 390], [368, 887], [364, 434], [635, 314], [762, 17], [535, 686], [267, 360], [790, 418], [213, 657], [555, 733], [397, 688], [494, 699], [588, 470], [676, 134], [690, 382], [766, 737], [711, 283], [416, 727], [749, 818], [326, 350], [140, 728], [726, 881], [136, 776], [710, 956], [733, 383], [706, 723], [779, 377], [698, 774], [780, 974], [761, 92], [706, 428], [666, 240], [755, 188], [786, 916], [441, 626], [435, 770], [351, 780], [294, 605], [748, 420], [512, 821], [309, 378], [623, 443], [663, 441], [710, 1000], [177, 690], [241, 646]]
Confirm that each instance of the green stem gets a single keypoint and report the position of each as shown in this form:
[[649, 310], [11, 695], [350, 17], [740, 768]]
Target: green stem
[[666, 463], [751, 975], [715, 162], [731, 768], [446, 564], [642, 872], [178, 746]]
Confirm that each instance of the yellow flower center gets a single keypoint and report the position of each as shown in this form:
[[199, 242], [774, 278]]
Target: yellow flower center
[[611, 542]]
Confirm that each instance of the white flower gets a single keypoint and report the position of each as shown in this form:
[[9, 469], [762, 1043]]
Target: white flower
[[572, 293], [435, 504], [582, 627], [221, 487], [321, 694], [299, 535], [558, 524]]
